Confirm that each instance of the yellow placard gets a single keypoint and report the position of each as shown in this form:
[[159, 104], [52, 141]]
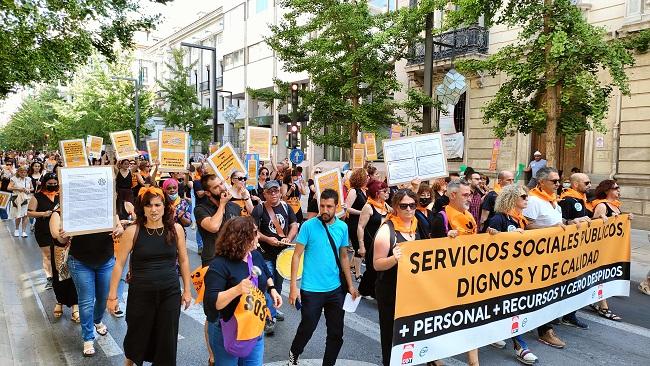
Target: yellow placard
[[94, 146], [173, 151], [358, 152], [74, 153], [124, 144], [173, 140], [458, 294], [370, 145], [252, 167], [258, 141], [4, 199], [173, 161], [332, 180], [152, 148], [224, 161]]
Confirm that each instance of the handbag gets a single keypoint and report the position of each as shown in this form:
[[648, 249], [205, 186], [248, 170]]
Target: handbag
[[336, 255], [242, 331], [61, 261]]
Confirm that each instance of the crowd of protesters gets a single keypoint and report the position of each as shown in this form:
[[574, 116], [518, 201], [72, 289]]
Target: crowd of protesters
[[241, 231]]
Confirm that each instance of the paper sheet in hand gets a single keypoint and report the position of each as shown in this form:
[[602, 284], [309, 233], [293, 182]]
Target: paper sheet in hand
[[87, 199], [350, 305]]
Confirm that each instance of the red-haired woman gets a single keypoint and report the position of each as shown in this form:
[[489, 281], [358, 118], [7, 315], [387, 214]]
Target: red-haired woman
[[606, 204], [155, 243], [354, 202], [373, 214]]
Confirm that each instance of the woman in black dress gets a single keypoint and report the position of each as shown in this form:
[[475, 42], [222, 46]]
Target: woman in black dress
[[155, 242], [373, 214], [124, 181], [293, 187], [401, 227], [44, 204], [354, 202]]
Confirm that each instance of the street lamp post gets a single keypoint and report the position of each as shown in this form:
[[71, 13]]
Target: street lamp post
[[136, 84], [213, 86]]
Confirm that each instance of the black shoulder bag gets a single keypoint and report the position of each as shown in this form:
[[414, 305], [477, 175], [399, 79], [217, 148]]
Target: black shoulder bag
[[336, 256]]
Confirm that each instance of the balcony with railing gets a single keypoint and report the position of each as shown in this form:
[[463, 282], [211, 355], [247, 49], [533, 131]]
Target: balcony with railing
[[204, 86], [473, 40]]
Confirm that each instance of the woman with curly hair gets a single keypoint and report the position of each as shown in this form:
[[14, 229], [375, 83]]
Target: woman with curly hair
[[354, 202], [509, 217], [232, 274], [155, 243]]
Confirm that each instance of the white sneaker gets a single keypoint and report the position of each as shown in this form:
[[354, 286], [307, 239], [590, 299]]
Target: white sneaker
[[525, 356], [499, 344], [25, 234], [17, 233]]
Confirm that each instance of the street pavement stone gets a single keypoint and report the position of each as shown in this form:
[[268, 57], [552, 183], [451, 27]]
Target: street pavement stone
[[39, 339]]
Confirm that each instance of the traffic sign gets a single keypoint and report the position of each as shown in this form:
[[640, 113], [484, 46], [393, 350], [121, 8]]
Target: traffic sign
[[297, 156]]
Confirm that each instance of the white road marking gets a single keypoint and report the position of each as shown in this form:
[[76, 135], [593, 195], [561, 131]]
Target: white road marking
[[622, 326], [108, 345]]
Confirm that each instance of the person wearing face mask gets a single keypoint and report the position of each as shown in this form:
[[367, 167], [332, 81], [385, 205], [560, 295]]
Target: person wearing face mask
[[40, 208], [423, 213], [181, 206]]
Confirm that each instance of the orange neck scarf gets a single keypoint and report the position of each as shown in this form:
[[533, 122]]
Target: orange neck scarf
[[422, 209], [615, 203], [50, 195], [543, 195], [570, 192], [377, 204], [403, 227], [462, 221], [519, 217]]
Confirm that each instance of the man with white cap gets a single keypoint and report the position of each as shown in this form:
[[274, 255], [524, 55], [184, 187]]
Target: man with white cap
[[534, 166]]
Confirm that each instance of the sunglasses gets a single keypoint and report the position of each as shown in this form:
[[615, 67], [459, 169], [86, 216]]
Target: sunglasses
[[404, 206], [524, 196], [241, 179], [555, 181], [263, 173], [587, 183], [616, 188], [317, 172]]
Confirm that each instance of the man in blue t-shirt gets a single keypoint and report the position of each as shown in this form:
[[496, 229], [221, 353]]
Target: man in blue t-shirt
[[321, 287]]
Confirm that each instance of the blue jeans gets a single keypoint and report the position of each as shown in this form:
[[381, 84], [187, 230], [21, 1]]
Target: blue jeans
[[277, 281], [92, 283], [223, 358]]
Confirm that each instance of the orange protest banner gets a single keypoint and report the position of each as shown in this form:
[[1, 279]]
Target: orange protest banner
[[330, 179], [74, 153]]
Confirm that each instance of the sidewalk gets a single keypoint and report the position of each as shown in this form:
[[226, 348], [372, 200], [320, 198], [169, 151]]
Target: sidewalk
[[26, 336], [640, 256]]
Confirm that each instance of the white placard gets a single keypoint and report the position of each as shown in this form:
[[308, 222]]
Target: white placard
[[446, 122], [454, 145], [87, 199], [415, 157]]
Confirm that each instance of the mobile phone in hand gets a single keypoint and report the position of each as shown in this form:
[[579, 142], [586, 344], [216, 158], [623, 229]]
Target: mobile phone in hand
[[298, 304]]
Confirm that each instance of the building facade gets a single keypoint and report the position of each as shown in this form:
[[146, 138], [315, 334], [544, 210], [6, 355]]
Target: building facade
[[623, 152]]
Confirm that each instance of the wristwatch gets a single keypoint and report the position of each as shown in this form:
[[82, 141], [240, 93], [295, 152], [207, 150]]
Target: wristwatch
[[269, 288]]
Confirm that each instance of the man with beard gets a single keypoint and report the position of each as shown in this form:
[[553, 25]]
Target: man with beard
[[210, 216], [278, 226], [504, 179], [324, 241]]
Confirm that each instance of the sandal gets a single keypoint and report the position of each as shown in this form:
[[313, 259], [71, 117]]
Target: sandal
[[89, 348], [594, 307], [75, 314], [101, 329], [607, 314], [644, 287], [58, 310]]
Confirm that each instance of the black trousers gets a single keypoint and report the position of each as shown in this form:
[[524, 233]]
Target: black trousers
[[385, 295], [313, 304], [152, 325], [367, 284]]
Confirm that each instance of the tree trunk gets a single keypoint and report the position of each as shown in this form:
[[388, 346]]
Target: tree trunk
[[354, 126], [552, 94]]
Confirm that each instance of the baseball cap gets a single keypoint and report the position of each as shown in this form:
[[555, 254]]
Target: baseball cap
[[537, 153], [271, 184]]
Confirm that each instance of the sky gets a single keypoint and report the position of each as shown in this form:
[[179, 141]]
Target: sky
[[178, 13]]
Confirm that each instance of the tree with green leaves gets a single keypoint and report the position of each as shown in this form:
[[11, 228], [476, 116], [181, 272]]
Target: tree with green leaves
[[45, 41], [552, 82], [182, 108], [349, 52], [30, 127], [97, 104]]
